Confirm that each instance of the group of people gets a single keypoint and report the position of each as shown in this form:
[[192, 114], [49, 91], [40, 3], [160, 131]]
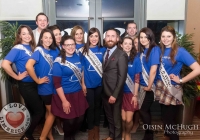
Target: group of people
[[70, 76]]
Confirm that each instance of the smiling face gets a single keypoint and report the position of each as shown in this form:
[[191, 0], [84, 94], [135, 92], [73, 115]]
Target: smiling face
[[57, 35], [25, 36], [131, 29], [69, 47], [144, 40], [127, 45], [167, 38], [94, 39], [42, 22], [79, 36], [111, 39], [46, 40]]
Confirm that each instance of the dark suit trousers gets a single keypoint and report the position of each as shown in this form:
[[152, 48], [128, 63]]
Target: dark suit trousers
[[113, 114]]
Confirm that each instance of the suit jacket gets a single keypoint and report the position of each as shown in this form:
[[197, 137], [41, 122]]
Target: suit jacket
[[115, 73]]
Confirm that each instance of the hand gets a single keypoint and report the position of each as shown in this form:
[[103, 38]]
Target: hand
[[147, 88], [112, 100], [84, 89], [43, 80], [174, 78], [66, 107], [134, 101], [21, 76]]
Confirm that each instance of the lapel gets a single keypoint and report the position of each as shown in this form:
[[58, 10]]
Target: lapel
[[109, 59]]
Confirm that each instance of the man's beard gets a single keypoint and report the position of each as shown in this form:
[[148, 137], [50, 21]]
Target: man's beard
[[108, 45]]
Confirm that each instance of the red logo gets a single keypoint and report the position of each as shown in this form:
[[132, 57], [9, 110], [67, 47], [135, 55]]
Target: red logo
[[14, 118]]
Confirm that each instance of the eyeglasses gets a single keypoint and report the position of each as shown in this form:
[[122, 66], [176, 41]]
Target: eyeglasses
[[68, 45]]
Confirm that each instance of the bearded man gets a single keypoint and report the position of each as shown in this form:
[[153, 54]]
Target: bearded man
[[114, 75]]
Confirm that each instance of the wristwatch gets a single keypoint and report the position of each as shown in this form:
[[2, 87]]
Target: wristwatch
[[181, 81]]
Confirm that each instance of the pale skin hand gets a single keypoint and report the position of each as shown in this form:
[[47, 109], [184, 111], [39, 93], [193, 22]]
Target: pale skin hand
[[43, 80], [112, 100], [134, 101], [65, 104], [84, 88], [174, 78], [66, 107], [195, 72], [30, 68], [22, 75], [6, 65]]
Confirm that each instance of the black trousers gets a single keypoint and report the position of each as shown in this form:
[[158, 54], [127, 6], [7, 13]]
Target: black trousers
[[34, 104], [145, 108], [71, 126], [94, 111], [113, 114], [145, 114], [168, 113]]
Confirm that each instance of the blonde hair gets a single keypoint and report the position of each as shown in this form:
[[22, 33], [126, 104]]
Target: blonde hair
[[73, 32]]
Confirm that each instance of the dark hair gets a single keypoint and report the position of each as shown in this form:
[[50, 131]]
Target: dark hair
[[54, 27], [87, 45], [133, 51], [132, 22], [40, 42], [73, 32], [119, 39], [63, 52], [18, 40], [174, 45], [150, 36], [41, 13]]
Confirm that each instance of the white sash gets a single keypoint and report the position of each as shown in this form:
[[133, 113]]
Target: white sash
[[177, 93], [145, 75], [130, 83], [70, 65], [47, 57], [21, 47], [94, 61]]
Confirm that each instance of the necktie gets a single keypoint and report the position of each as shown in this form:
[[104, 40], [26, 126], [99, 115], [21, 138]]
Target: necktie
[[107, 55]]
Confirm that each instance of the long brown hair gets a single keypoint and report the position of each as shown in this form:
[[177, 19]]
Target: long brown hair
[[87, 45], [174, 44], [150, 37], [133, 51], [73, 32], [63, 52], [53, 46], [18, 40]]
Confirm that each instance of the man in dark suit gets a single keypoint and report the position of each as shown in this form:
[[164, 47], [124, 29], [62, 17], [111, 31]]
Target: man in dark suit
[[114, 75]]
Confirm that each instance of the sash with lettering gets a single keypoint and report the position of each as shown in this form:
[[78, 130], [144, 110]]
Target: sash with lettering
[[146, 76], [176, 92], [73, 67], [94, 61], [146, 79], [47, 57], [130, 83]]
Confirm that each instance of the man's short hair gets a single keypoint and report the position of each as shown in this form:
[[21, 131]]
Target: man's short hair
[[41, 13], [132, 22]]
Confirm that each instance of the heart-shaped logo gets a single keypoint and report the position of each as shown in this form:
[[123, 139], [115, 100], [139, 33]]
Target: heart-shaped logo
[[15, 119]]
